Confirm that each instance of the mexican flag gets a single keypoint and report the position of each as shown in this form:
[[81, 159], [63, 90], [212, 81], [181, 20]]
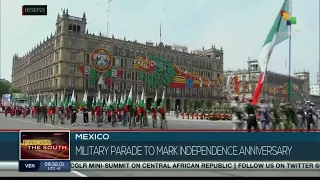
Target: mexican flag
[[61, 99], [93, 104], [73, 99], [163, 100], [66, 102], [142, 99], [109, 103], [84, 103], [155, 101], [38, 100], [122, 101], [53, 101], [277, 34], [99, 102], [129, 100]]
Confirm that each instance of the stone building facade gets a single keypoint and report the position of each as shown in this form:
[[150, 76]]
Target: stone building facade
[[274, 83], [52, 66]]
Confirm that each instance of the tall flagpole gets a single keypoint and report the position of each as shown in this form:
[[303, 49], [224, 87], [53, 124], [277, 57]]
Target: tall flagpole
[[109, 2], [161, 25], [289, 78]]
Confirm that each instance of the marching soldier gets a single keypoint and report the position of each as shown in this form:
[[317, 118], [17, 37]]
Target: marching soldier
[[274, 116], [283, 117], [237, 118], [85, 116], [301, 115], [182, 114], [154, 116], [73, 114], [188, 113], [252, 119], [264, 114]]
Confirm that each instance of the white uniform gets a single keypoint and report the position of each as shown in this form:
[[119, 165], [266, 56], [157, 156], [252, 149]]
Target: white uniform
[[238, 124]]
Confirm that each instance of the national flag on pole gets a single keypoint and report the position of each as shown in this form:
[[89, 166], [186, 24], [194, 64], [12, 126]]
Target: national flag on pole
[[277, 34], [38, 100], [53, 101], [93, 104], [155, 101], [114, 101], [109, 103], [73, 99], [163, 98], [84, 103], [61, 99], [142, 99], [129, 100], [122, 101], [99, 103], [66, 102], [137, 100]]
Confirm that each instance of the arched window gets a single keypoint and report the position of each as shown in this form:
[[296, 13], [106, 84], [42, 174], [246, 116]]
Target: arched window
[[74, 28], [70, 27], [78, 28]]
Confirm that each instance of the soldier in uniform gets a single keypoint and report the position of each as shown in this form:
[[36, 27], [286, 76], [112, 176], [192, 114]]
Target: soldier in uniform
[[182, 114], [274, 116], [154, 116], [251, 119], [73, 114], [311, 116], [301, 115], [282, 116], [264, 114], [187, 113], [237, 118]]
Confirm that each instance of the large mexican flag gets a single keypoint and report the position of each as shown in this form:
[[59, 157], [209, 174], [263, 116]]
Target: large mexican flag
[[278, 33]]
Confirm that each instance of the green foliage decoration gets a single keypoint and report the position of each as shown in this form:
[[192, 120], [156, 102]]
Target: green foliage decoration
[[162, 76]]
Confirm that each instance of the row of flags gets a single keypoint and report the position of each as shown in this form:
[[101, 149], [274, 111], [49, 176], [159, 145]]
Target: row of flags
[[64, 101], [111, 101]]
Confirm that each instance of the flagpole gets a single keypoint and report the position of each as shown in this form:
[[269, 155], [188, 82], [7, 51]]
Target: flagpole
[[289, 78], [108, 17]]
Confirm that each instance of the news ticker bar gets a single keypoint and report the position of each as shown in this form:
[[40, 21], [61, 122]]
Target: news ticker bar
[[183, 165], [37, 10]]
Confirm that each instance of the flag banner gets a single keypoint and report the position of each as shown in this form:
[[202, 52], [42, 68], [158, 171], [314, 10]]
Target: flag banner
[[276, 36]]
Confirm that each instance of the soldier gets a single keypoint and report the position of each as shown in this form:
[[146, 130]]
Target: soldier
[[264, 114], [182, 114], [252, 119], [188, 113], [274, 116], [73, 114], [237, 118], [154, 116], [93, 115], [301, 115], [282, 116], [163, 119], [177, 111], [85, 116], [192, 114], [310, 116]]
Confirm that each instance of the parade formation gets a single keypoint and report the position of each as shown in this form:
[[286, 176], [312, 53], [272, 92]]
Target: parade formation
[[111, 111]]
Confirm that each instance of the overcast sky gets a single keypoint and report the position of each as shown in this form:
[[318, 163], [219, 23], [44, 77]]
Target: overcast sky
[[239, 26]]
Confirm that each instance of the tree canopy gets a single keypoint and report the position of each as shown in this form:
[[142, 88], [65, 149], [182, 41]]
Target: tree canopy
[[6, 87]]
